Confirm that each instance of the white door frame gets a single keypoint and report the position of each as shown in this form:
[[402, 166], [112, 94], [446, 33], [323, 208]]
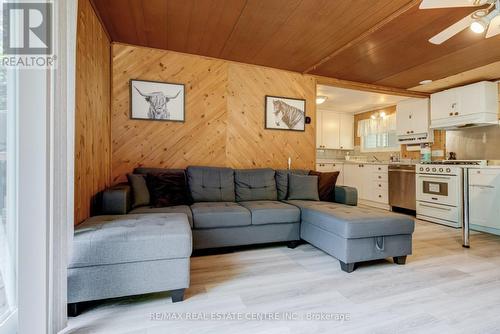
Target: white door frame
[[45, 188]]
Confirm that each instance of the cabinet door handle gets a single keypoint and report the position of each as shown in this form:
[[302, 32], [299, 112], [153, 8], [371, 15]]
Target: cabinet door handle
[[379, 196], [456, 113], [481, 186], [451, 114]]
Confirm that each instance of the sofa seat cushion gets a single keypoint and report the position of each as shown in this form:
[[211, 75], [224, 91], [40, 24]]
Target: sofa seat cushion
[[166, 209], [219, 214], [272, 212], [255, 185], [352, 222], [103, 240]]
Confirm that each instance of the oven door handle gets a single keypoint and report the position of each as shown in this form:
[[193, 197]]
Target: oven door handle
[[435, 207], [435, 177]]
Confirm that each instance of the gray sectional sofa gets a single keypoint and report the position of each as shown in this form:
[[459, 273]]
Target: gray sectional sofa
[[227, 208]]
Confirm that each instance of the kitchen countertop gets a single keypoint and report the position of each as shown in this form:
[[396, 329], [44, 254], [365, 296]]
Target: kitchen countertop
[[354, 162]]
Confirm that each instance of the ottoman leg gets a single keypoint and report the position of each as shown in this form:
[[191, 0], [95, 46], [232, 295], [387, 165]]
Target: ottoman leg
[[74, 309], [399, 259], [293, 244], [347, 267], [177, 295]]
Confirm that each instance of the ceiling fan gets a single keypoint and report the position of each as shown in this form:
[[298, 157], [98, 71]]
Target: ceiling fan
[[484, 19]]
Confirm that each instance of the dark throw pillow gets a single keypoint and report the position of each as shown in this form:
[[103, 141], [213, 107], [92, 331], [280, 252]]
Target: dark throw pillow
[[326, 184], [304, 187], [168, 188], [140, 192]]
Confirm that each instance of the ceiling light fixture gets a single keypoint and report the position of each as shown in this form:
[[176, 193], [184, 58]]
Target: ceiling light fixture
[[425, 82], [478, 26], [321, 99]]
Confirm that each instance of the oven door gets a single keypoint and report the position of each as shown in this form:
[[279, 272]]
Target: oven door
[[439, 189]]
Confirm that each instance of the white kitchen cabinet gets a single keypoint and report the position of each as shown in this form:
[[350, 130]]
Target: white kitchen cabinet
[[472, 104], [330, 129], [412, 117], [332, 167], [371, 181], [444, 104], [358, 176], [484, 199], [346, 135], [334, 130]]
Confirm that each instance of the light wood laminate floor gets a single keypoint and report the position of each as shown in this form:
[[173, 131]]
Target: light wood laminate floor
[[443, 288]]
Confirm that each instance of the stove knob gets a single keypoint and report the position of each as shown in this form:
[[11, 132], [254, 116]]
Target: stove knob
[[421, 169], [427, 169], [441, 170], [448, 170], [434, 169]]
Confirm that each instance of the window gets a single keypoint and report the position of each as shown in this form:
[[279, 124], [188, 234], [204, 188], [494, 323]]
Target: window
[[378, 134], [386, 141]]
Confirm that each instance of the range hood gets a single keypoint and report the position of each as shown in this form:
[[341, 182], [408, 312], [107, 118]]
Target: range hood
[[465, 121], [418, 138]]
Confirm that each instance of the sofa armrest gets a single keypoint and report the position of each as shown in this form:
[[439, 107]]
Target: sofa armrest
[[346, 195], [116, 200]]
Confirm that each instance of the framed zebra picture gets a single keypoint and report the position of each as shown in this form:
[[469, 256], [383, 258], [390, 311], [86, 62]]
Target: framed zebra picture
[[285, 113], [158, 101]]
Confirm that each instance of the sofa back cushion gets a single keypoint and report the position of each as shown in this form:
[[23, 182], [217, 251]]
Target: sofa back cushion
[[211, 184], [255, 185], [140, 191], [156, 170], [326, 184], [168, 188], [303, 187], [282, 181]]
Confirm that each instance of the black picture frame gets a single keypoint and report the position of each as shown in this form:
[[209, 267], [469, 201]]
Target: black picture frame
[[269, 98], [154, 88]]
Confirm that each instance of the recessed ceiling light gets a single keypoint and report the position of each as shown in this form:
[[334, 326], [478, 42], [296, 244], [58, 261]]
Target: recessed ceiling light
[[425, 82], [478, 26], [321, 99]]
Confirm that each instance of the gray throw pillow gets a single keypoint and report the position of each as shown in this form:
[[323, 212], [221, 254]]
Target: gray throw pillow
[[140, 192], [304, 187]]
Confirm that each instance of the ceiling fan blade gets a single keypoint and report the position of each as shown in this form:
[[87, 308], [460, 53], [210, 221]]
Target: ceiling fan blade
[[494, 27], [452, 30], [428, 4]]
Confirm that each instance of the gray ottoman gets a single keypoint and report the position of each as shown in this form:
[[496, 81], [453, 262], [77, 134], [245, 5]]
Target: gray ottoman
[[355, 234], [115, 256]]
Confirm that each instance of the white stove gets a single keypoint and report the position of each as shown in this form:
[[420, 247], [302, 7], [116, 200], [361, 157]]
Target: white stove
[[440, 190]]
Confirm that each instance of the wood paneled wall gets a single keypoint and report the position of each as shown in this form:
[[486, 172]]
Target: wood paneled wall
[[92, 123], [224, 114], [439, 136]]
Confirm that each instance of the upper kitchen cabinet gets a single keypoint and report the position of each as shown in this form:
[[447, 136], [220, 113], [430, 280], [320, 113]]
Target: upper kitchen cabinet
[[471, 105], [412, 119], [334, 130]]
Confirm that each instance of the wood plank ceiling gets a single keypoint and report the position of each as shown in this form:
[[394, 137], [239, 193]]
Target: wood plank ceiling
[[382, 42]]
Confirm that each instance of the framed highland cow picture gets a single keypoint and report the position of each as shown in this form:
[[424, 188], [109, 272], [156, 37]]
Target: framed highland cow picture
[[158, 101], [285, 113]]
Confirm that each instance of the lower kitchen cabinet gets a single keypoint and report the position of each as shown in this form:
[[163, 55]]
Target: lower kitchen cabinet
[[332, 167], [371, 180], [484, 199]]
